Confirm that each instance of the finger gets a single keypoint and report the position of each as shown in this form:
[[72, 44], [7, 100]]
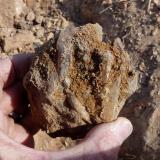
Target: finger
[[119, 129], [7, 74], [17, 151], [109, 137], [13, 100], [103, 142], [21, 64], [13, 68], [21, 135], [14, 131]]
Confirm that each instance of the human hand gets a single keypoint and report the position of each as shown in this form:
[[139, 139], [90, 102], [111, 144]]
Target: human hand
[[16, 137]]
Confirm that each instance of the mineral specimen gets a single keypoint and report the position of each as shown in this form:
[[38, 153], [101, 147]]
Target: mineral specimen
[[78, 80]]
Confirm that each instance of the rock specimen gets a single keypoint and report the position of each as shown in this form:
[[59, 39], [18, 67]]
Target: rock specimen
[[78, 80], [42, 141]]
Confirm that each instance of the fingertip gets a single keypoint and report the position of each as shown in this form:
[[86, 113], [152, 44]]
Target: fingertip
[[127, 124], [117, 131], [123, 128]]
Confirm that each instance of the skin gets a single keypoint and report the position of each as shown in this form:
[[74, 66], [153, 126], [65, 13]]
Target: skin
[[16, 138]]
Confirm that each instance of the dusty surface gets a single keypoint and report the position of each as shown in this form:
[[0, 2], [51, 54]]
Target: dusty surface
[[80, 81], [136, 23]]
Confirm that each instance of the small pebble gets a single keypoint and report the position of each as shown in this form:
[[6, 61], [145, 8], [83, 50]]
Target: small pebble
[[86, 58], [106, 2], [40, 33], [64, 23], [48, 24], [155, 52], [158, 58], [30, 17], [152, 93], [155, 32], [50, 36], [39, 19], [142, 66], [158, 19]]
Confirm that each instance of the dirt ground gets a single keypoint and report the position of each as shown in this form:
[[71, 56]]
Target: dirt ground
[[27, 24]]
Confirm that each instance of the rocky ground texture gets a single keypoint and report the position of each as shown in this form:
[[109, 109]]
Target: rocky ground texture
[[25, 25]]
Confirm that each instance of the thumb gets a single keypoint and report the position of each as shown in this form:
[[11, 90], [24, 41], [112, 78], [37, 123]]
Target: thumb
[[102, 142], [107, 138], [113, 133]]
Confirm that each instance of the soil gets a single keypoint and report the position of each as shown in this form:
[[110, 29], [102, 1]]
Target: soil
[[136, 23]]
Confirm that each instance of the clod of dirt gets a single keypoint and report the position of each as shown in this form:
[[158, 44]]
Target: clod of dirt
[[79, 80], [17, 41]]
